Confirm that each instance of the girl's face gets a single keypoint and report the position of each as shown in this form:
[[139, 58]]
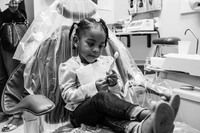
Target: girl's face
[[91, 44]]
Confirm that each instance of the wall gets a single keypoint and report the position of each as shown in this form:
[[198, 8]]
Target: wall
[[29, 9], [40, 5], [121, 9], [108, 14], [173, 23], [33, 7]]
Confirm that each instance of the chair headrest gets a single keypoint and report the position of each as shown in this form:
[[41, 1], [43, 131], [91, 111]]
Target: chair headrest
[[77, 9]]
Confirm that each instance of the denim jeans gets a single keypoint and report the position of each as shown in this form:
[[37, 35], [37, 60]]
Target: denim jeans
[[106, 109], [7, 65]]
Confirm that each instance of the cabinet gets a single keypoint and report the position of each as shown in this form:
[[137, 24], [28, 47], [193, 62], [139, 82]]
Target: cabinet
[[137, 33]]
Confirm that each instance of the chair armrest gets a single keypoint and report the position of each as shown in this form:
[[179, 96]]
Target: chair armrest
[[35, 104]]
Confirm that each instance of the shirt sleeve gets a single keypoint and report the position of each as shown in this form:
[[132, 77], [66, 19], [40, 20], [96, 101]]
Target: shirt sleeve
[[71, 90]]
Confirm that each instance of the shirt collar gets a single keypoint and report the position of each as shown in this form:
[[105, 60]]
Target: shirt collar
[[79, 60]]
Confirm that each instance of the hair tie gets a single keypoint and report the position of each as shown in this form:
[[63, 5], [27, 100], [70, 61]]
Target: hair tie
[[97, 19]]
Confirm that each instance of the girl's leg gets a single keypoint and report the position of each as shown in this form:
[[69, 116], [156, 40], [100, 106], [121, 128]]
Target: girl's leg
[[106, 108], [113, 106], [93, 110], [160, 120], [120, 126]]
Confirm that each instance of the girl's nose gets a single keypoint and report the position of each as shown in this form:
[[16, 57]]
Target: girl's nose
[[96, 50]]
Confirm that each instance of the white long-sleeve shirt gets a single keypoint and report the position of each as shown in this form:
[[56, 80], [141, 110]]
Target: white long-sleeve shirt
[[77, 81]]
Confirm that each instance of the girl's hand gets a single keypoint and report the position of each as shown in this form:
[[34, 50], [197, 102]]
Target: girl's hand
[[112, 78], [13, 5], [101, 85]]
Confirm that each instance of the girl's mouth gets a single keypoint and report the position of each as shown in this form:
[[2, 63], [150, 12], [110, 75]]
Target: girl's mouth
[[93, 56]]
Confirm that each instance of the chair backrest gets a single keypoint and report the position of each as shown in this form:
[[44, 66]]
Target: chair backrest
[[42, 78], [44, 73]]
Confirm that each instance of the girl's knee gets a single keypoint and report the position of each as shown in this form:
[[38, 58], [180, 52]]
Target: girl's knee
[[102, 94], [101, 97]]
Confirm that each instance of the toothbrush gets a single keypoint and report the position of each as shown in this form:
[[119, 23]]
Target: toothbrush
[[116, 55]]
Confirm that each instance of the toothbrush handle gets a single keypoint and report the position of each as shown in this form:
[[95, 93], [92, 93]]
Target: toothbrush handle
[[111, 66]]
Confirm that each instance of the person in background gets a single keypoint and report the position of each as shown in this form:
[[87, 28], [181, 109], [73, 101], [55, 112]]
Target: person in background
[[89, 98], [15, 12]]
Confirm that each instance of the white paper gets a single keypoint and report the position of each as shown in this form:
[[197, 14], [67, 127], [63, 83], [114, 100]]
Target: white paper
[[92, 72]]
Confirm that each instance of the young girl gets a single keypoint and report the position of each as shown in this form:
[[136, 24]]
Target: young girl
[[87, 87]]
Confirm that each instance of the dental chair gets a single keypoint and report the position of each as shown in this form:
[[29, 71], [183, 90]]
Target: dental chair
[[43, 110], [15, 94]]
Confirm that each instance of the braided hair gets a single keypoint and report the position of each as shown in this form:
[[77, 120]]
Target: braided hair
[[86, 24]]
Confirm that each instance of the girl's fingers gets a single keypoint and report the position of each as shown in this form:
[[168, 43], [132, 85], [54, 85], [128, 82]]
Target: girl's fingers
[[112, 76], [113, 72]]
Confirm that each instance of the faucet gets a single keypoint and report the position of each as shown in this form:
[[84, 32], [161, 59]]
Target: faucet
[[195, 38]]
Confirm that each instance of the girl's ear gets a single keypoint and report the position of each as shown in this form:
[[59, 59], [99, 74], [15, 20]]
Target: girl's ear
[[75, 41]]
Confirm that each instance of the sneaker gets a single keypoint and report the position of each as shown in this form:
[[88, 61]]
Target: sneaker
[[174, 102], [159, 121]]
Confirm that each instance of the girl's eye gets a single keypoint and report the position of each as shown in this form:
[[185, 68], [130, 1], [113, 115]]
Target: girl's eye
[[90, 43], [102, 45]]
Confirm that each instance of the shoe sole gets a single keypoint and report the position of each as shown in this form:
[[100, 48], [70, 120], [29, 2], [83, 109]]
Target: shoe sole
[[175, 103], [163, 119], [6, 129]]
